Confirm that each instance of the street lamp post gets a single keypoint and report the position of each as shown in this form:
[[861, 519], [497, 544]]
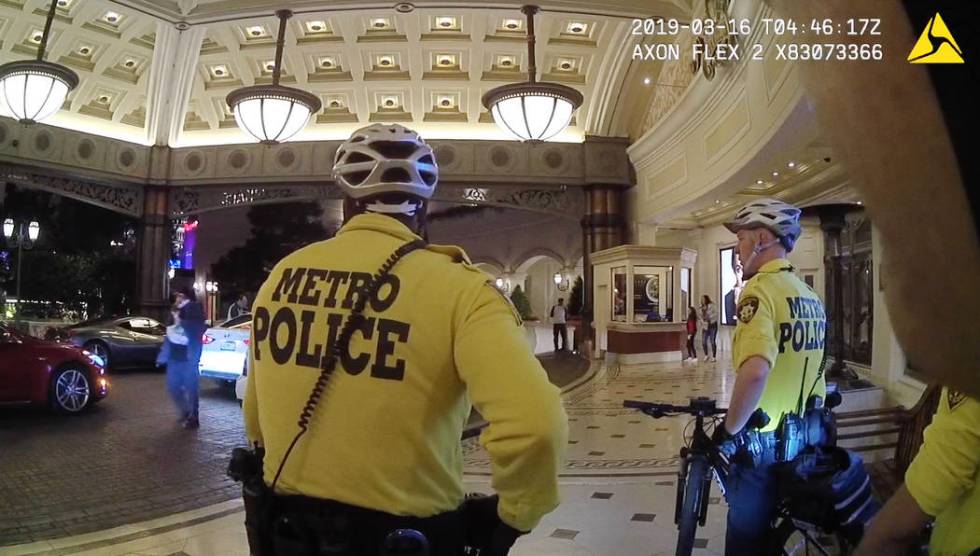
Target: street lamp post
[[24, 235], [211, 289]]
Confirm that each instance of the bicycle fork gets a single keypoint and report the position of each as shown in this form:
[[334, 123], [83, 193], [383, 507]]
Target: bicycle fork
[[704, 492], [681, 486]]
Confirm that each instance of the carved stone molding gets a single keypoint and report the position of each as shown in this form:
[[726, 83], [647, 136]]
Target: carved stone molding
[[193, 200], [567, 202], [564, 201], [544, 177], [125, 199]]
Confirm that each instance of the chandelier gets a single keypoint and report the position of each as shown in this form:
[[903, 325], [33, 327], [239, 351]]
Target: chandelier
[[36, 89], [532, 111], [273, 113]]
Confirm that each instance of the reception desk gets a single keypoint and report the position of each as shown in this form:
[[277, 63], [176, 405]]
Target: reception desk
[[647, 343], [641, 296]]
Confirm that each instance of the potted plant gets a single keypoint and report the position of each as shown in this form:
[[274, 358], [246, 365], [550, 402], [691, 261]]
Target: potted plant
[[523, 306]]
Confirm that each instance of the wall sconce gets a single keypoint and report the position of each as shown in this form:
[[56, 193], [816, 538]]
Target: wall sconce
[[561, 282], [502, 285]]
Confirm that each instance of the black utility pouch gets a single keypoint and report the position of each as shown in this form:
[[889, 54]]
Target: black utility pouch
[[246, 467]]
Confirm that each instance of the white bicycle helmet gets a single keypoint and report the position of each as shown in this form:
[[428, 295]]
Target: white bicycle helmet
[[782, 219], [385, 158]]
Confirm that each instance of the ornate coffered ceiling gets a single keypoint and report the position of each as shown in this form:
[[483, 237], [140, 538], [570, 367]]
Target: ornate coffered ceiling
[[157, 72]]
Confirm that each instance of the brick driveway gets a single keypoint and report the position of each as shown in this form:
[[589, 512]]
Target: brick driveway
[[126, 460]]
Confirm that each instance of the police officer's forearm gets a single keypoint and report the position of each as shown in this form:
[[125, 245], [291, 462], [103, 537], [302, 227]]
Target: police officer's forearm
[[895, 528], [749, 384]]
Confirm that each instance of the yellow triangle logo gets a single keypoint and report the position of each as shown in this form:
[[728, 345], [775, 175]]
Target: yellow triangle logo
[[936, 45]]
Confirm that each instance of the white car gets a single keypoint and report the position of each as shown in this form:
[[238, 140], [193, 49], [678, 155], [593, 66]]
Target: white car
[[225, 350]]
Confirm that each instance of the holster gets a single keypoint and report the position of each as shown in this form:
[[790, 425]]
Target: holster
[[754, 448], [246, 467]]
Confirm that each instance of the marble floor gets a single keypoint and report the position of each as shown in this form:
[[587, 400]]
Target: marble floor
[[617, 486]]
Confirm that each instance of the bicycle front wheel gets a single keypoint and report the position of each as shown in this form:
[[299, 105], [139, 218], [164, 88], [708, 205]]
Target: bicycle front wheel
[[694, 493]]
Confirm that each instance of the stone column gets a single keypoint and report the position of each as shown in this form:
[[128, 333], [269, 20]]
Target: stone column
[[602, 228], [154, 252]]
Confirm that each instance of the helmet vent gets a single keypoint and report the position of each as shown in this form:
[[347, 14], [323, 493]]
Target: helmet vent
[[357, 178], [427, 159], [428, 177], [396, 175], [356, 157], [395, 149]]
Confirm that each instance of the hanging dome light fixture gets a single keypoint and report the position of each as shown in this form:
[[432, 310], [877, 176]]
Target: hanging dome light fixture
[[273, 113], [35, 89], [532, 111]]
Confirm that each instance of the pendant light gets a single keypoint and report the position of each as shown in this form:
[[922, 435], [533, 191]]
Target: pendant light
[[273, 113], [35, 89], [532, 111]]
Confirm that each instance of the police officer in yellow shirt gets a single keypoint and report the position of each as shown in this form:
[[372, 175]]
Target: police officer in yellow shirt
[[777, 353], [414, 334], [942, 483]]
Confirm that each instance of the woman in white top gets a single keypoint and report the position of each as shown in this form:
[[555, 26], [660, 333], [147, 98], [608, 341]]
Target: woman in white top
[[709, 314]]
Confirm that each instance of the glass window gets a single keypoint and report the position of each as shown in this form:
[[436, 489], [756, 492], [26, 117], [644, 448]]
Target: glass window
[[653, 294], [619, 294], [143, 326]]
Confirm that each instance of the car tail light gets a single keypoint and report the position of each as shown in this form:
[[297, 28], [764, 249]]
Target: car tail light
[[207, 339]]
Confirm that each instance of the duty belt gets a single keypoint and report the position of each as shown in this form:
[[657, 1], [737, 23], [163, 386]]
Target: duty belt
[[355, 530], [757, 447]]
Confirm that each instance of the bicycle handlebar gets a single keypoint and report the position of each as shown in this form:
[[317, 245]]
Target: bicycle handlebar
[[698, 406]]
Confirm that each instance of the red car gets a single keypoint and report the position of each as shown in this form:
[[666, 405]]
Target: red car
[[64, 377]]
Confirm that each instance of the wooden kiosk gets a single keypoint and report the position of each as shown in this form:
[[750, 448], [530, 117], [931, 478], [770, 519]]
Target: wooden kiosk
[[641, 295]]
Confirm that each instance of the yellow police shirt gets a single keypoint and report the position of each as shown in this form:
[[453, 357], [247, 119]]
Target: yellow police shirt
[[945, 475], [386, 435], [781, 320]]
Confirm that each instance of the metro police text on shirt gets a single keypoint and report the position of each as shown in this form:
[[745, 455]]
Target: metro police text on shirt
[[809, 328], [306, 336]]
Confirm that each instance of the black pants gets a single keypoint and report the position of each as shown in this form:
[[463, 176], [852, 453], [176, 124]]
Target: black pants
[[691, 352], [561, 329]]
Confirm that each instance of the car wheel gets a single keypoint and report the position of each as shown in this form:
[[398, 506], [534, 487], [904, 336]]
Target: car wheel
[[71, 391], [100, 349]]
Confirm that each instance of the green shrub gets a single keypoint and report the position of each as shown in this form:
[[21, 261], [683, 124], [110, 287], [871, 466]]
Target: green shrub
[[575, 298], [521, 303]]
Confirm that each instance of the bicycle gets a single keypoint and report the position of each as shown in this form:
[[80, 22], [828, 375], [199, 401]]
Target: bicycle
[[701, 460]]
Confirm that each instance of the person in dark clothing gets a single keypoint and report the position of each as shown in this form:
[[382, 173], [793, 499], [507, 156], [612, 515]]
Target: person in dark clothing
[[692, 332], [239, 307], [182, 376]]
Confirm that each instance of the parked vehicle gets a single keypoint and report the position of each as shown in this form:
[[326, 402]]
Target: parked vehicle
[[35, 371], [225, 350], [121, 342]]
